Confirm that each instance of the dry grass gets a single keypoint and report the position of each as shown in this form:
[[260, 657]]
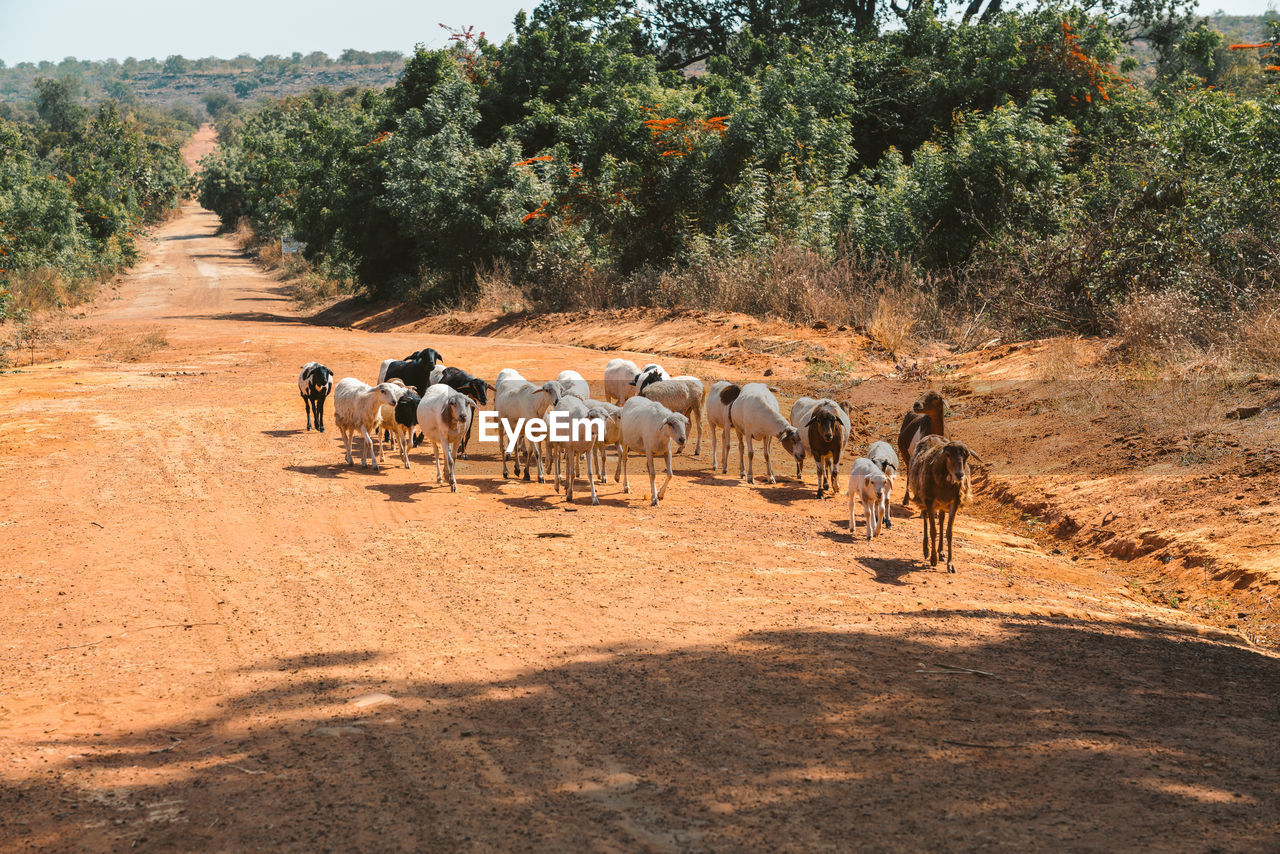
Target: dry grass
[[495, 291], [46, 289], [1259, 335], [132, 346], [898, 313]]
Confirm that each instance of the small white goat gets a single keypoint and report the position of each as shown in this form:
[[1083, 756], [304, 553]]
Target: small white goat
[[518, 401], [582, 440], [754, 414], [358, 407], [444, 415], [682, 394], [883, 455], [868, 485], [650, 427], [620, 380]]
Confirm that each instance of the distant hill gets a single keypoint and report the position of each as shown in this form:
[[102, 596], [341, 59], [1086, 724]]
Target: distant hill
[[179, 82]]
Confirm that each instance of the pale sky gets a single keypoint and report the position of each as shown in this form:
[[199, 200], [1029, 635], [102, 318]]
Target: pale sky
[[34, 30]]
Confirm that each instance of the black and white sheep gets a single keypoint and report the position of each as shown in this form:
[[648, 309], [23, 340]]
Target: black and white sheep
[[314, 384]]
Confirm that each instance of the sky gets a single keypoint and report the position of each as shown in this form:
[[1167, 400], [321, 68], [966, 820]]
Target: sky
[[34, 30]]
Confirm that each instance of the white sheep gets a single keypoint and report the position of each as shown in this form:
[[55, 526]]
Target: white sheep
[[650, 427], [683, 394], [357, 406], [573, 383], [883, 455], [868, 485], [721, 395], [444, 415], [519, 401], [620, 380], [612, 437], [582, 440], [824, 428], [754, 414]]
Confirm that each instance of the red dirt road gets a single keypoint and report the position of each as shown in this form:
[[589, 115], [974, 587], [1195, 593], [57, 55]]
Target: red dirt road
[[219, 636]]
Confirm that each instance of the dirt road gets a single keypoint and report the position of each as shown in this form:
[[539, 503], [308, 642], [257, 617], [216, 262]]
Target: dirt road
[[217, 636]]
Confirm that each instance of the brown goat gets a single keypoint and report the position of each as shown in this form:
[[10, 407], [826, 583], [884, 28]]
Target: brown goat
[[924, 419], [827, 435], [939, 474]]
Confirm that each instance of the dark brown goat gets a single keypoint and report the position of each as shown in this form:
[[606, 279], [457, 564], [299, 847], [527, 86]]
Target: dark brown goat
[[924, 419], [827, 436], [939, 474]]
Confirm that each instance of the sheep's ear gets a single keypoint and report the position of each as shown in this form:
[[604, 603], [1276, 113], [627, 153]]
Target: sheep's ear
[[490, 387], [969, 452]]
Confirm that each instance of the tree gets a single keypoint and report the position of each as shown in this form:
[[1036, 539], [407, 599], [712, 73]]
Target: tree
[[58, 104], [176, 65]]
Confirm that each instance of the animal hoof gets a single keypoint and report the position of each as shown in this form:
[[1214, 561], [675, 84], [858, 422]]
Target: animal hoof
[[951, 569], [453, 487]]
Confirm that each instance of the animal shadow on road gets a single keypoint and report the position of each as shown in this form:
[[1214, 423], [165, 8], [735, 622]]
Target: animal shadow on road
[[280, 434], [1041, 734], [333, 469], [889, 570], [403, 492]]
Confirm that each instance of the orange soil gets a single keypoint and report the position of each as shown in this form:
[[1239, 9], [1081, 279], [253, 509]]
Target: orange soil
[[220, 636]]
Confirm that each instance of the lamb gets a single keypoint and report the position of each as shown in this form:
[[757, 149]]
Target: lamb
[[444, 415], [754, 414], [404, 423], [582, 440], [721, 395], [881, 453], [518, 400], [683, 394], [387, 418], [620, 380], [611, 415], [868, 485], [824, 428], [939, 474], [574, 384], [649, 426], [358, 407], [314, 384], [924, 419]]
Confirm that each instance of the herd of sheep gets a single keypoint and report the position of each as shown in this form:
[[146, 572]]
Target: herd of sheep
[[417, 399]]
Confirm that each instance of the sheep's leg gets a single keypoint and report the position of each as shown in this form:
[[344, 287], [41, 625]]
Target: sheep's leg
[[567, 467], [320, 413], [306, 401], [697, 416], [751, 458], [937, 535], [951, 519], [435, 448], [591, 478], [927, 519], [622, 464], [662, 493], [538, 450], [462, 446], [448, 456], [888, 509], [367, 447], [405, 436], [768, 462], [653, 485]]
